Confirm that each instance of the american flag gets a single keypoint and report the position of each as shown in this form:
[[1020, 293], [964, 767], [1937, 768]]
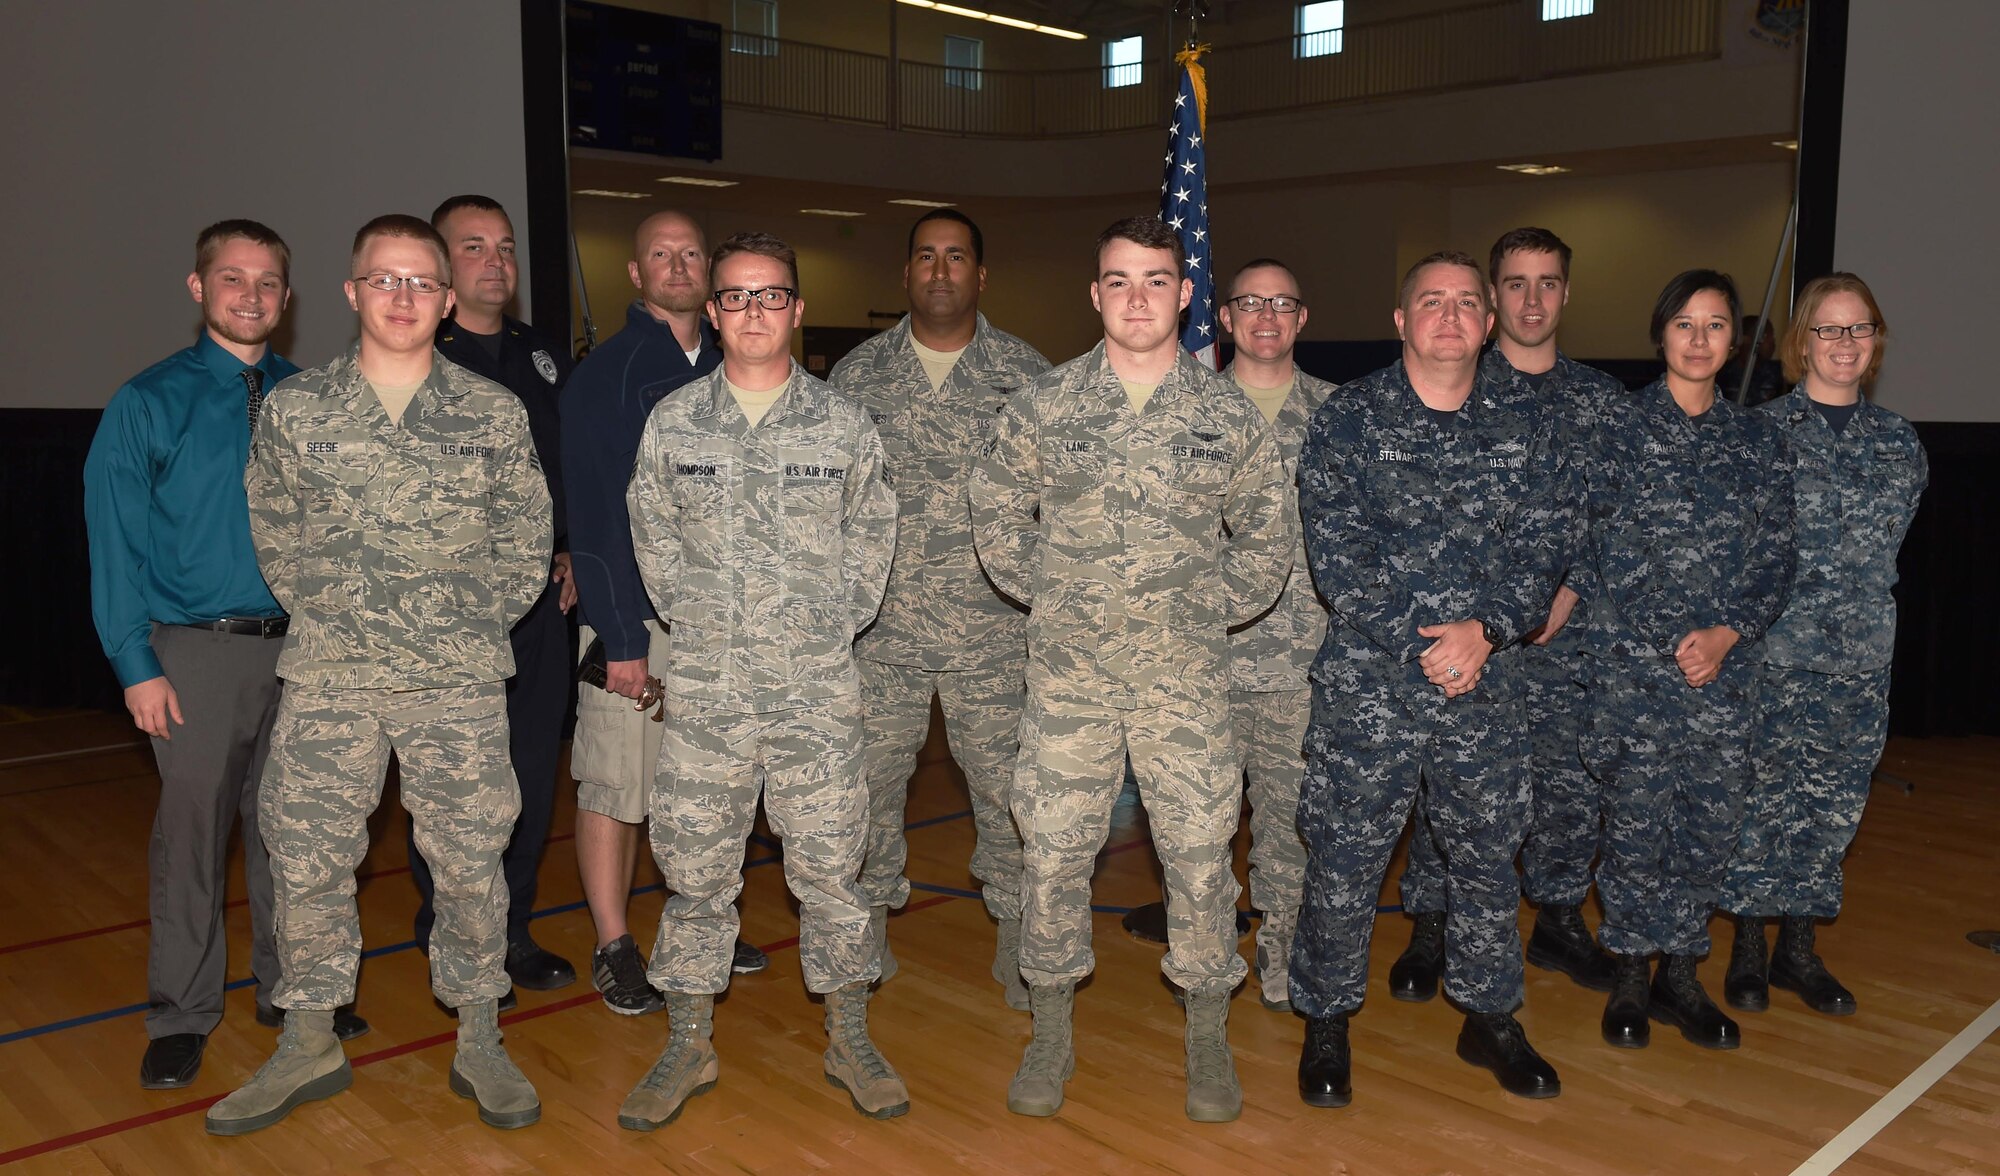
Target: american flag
[[1184, 205]]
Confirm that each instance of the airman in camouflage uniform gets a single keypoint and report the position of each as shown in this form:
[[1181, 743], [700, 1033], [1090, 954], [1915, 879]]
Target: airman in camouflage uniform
[[765, 543], [944, 630], [1857, 472], [404, 545], [1692, 540], [1436, 535], [1102, 505], [1270, 701], [1529, 269]]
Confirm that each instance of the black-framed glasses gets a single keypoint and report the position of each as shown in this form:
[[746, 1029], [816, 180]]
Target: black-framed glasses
[[1830, 332], [770, 297], [390, 283], [1279, 304]]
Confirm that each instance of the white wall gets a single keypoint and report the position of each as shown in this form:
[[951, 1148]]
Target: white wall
[[130, 126], [1917, 181]]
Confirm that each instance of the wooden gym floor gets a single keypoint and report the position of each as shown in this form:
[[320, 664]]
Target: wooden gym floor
[[73, 832]]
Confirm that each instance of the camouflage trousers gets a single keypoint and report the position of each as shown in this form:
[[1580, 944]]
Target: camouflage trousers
[[1069, 774], [1674, 762], [982, 718], [1269, 727], [1566, 810], [329, 752], [1818, 739], [1366, 758], [714, 763]]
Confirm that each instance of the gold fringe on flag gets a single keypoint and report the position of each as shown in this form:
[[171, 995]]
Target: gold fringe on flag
[[1190, 59]]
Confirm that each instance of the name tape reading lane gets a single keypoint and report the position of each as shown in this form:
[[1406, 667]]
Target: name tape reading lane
[[1842, 1147]]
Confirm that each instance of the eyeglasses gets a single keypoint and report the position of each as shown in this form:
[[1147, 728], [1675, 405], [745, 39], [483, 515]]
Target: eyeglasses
[[390, 283], [1830, 332], [770, 298], [1280, 304]]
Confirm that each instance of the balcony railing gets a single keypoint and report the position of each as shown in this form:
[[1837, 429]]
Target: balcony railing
[[1480, 44]]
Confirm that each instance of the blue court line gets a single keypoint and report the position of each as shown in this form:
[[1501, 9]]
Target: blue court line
[[391, 948]]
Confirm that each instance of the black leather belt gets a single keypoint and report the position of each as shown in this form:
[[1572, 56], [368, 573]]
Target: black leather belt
[[246, 626]]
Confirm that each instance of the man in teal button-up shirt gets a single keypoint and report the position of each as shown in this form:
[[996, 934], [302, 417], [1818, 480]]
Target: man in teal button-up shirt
[[190, 627]]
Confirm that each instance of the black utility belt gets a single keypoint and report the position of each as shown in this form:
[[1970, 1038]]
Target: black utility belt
[[266, 627]]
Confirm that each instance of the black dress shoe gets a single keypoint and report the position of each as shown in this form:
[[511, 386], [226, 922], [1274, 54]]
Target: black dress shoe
[[1325, 1065], [1678, 999], [171, 1062], [507, 1003], [1796, 969], [1415, 974], [1562, 942], [346, 1025], [1625, 1024], [746, 960], [1746, 985], [1497, 1042], [530, 965]]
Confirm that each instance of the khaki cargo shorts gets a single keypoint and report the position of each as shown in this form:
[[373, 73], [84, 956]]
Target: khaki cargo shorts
[[616, 749]]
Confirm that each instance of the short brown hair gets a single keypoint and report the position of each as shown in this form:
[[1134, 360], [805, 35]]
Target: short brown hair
[[1792, 348], [1257, 263], [452, 204], [761, 244], [397, 224], [1441, 257], [1147, 231], [210, 241], [1527, 239]]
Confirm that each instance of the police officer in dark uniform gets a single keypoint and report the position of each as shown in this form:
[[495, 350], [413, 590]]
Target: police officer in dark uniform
[[480, 336]]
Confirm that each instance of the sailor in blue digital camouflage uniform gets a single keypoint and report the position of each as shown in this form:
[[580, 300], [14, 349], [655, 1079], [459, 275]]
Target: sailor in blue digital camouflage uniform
[[1438, 510], [1529, 268], [1857, 472], [1691, 528]]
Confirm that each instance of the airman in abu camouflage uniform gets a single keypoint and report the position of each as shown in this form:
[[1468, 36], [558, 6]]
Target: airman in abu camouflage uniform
[[1103, 506], [1529, 269], [405, 529], [944, 630], [1691, 536], [763, 528], [1857, 472], [1270, 701], [1439, 508]]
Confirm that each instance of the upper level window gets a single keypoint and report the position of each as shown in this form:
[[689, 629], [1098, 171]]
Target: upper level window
[[754, 25], [964, 57], [1124, 62], [1318, 28], [1563, 9]]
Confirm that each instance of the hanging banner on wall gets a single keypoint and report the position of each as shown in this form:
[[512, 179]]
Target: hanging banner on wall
[[640, 81]]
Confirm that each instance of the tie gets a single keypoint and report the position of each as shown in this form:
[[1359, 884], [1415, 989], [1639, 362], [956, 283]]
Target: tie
[[254, 380]]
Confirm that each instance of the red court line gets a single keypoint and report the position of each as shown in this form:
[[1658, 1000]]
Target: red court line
[[137, 923], [1122, 846], [381, 1055]]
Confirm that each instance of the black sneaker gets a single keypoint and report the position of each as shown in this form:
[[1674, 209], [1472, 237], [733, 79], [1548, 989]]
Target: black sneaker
[[747, 960], [619, 972]]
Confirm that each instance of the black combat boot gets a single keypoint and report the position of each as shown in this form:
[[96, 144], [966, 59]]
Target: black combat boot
[[1415, 974], [1325, 1065], [1625, 1024], [1746, 986], [1563, 943], [1497, 1042], [1678, 999], [1797, 969]]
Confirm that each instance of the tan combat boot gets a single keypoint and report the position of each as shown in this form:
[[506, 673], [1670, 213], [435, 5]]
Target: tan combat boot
[[483, 1072], [852, 1061], [309, 1064], [1007, 963], [1037, 1088], [1213, 1093], [686, 1067], [878, 931]]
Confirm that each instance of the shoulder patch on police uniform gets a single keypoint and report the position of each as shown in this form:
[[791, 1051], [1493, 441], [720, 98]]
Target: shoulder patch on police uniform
[[545, 365]]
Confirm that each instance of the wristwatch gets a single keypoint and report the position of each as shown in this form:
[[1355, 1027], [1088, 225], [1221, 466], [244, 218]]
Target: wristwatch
[[1486, 631]]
